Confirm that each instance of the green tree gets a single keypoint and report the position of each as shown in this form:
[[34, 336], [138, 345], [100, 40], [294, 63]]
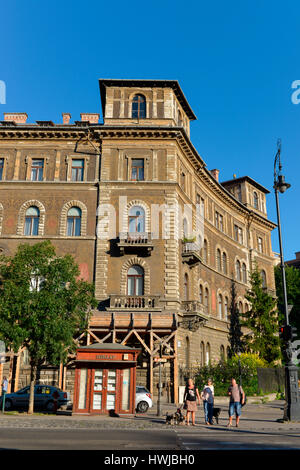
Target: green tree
[[262, 320], [235, 331], [43, 305], [292, 276]]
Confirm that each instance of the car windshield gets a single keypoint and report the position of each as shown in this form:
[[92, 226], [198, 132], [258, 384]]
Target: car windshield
[[142, 390], [23, 390]]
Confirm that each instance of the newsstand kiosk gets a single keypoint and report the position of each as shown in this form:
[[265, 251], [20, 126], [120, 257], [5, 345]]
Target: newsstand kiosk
[[105, 379]]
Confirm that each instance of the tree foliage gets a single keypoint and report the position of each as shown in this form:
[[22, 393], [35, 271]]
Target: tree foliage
[[235, 331], [262, 320], [292, 276], [43, 304]]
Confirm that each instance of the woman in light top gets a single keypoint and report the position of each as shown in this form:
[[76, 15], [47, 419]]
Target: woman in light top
[[207, 396]]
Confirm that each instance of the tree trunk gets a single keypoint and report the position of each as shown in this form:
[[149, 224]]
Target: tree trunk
[[32, 384]]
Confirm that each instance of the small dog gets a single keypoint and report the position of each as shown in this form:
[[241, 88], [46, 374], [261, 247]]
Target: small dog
[[216, 414], [175, 418], [179, 416], [170, 419]]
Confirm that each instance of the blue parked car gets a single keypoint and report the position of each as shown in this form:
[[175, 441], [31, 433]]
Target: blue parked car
[[44, 396]]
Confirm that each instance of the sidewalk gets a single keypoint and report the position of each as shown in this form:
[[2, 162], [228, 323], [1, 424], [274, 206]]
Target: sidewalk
[[255, 418]]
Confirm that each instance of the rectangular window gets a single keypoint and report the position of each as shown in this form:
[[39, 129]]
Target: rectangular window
[[260, 244], [219, 221], [82, 389], [37, 169], [221, 227], [1, 168], [126, 390], [238, 234], [137, 169], [182, 181], [77, 169]]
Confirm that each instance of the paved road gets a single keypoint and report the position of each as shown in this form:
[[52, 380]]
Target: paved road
[[59, 439], [259, 429]]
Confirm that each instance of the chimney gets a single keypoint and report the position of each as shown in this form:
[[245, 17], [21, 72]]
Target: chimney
[[215, 174], [18, 118], [92, 118], [297, 255], [66, 118]]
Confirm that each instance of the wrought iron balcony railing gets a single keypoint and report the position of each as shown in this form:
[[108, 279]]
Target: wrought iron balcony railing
[[132, 241], [141, 302]]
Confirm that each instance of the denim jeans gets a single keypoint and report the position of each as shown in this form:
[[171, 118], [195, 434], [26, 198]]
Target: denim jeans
[[235, 408], [208, 411]]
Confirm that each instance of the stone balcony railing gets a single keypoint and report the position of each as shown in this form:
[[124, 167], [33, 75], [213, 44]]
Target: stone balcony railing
[[128, 302], [135, 241], [194, 314], [191, 253]]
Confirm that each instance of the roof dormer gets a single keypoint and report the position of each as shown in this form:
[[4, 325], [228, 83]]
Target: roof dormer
[[145, 103]]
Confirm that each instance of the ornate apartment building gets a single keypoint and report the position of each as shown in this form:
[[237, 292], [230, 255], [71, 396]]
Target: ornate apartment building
[[157, 232]]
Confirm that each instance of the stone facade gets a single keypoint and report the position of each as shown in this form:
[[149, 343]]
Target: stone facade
[[196, 235]]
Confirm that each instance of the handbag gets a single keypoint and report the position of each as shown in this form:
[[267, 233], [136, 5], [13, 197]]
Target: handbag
[[241, 399], [185, 405]]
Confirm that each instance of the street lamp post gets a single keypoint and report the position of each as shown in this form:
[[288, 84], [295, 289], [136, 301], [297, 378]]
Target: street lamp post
[[159, 382], [292, 404]]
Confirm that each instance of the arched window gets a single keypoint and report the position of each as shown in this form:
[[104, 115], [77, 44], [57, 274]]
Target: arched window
[[135, 280], [136, 219], [74, 222], [263, 278], [187, 352], [201, 294], [179, 118], [185, 228], [244, 273], [207, 354], [206, 298], [220, 305], [240, 307], [186, 287], [205, 252], [222, 353], [224, 256], [32, 217], [202, 354], [255, 200], [219, 267], [238, 270], [139, 107], [226, 308]]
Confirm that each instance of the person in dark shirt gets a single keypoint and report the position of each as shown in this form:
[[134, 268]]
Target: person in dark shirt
[[191, 395]]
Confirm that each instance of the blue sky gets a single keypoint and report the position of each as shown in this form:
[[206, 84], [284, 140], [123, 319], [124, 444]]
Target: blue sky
[[235, 62]]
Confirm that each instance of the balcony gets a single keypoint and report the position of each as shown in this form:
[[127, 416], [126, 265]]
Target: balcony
[[191, 253], [194, 314], [137, 242], [141, 302]]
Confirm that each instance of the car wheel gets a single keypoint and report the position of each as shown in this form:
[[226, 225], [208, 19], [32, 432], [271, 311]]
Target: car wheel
[[8, 405], [142, 407], [50, 406]]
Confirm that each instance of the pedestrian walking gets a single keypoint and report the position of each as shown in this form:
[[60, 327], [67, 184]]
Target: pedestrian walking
[[4, 391], [237, 399], [191, 395], [207, 396]]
